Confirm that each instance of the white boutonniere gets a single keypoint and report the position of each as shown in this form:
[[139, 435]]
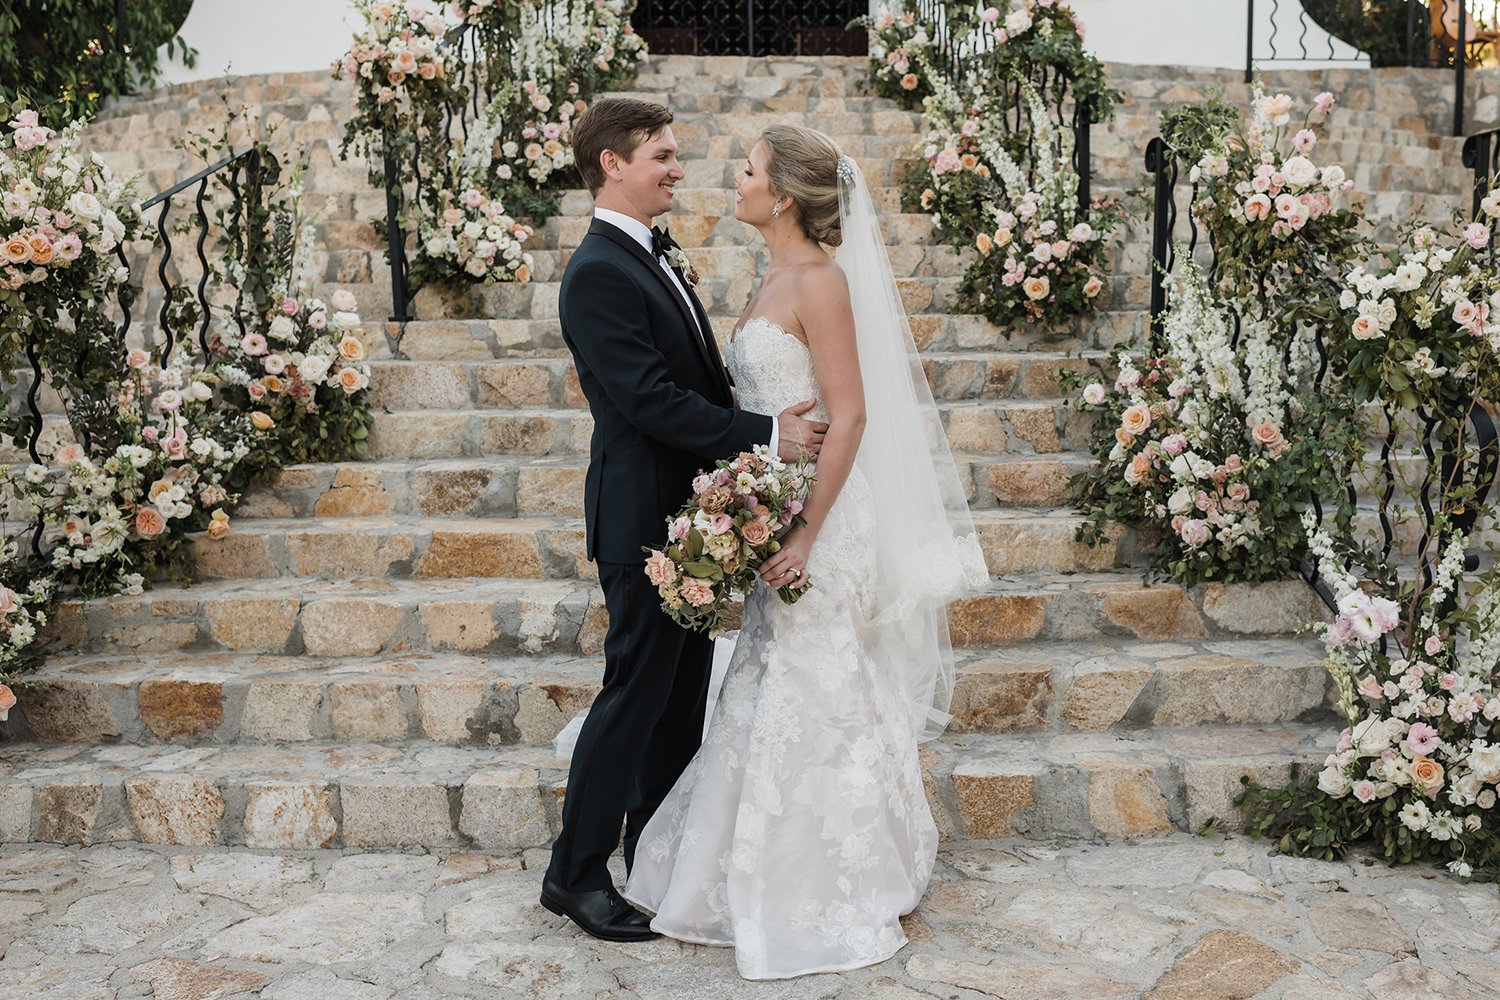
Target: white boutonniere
[[680, 263]]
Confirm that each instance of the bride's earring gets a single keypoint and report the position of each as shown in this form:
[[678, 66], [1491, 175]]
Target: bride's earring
[[776, 210]]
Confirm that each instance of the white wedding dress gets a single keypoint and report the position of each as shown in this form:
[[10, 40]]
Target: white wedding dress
[[800, 832]]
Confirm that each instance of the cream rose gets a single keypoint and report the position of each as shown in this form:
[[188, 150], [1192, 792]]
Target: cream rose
[[351, 349], [1427, 774], [1136, 419], [1036, 288]]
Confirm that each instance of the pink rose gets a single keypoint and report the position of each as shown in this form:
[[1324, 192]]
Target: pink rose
[[1433, 645], [7, 701], [317, 320], [289, 306], [660, 569], [71, 452], [7, 600], [343, 300], [473, 198], [1257, 207], [697, 592], [1370, 688], [274, 364], [256, 390], [719, 524], [1322, 104], [679, 529], [148, 522], [254, 344], [1364, 790], [1305, 140], [1193, 532]]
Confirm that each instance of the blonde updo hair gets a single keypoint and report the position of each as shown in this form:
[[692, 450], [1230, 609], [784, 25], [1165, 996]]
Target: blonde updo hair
[[803, 164]]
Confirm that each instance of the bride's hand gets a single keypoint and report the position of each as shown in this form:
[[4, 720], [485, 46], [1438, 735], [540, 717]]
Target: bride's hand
[[788, 567]]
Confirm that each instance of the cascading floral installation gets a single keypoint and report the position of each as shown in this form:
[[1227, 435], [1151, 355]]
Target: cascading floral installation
[[999, 175], [165, 441], [1415, 647], [475, 101], [1212, 438]]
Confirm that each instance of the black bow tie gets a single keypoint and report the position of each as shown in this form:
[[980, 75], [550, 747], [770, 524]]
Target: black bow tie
[[661, 241]]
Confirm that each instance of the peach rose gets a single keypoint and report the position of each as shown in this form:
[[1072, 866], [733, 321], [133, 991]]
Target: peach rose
[[273, 383], [660, 569], [350, 380], [1036, 288], [1092, 287], [7, 600], [984, 243], [72, 452], [909, 81], [16, 251], [1427, 774], [158, 488], [756, 533], [218, 529], [523, 273], [697, 592], [352, 349], [1136, 419], [1124, 438], [7, 702], [1366, 328], [41, 250], [136, 358], [262, 420], [1140, 468], [148, 522], [1268, 436]]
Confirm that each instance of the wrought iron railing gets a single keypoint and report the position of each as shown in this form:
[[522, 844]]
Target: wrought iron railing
[[751, 27], [1279, 33], [1482, 157], [482, 60], [960, 57], [244, 174]]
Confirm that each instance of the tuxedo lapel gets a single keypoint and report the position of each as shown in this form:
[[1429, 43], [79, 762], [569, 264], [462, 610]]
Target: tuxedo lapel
[[710, 354]]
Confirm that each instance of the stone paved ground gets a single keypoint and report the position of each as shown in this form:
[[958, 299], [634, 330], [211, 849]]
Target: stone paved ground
[[1175, 918]]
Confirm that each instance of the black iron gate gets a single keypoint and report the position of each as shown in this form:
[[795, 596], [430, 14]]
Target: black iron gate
[[752, 27]]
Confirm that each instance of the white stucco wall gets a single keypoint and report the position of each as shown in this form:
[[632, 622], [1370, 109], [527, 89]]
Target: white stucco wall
[[269, 36]]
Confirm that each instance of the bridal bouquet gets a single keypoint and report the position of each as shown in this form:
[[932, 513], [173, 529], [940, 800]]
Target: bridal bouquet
[[724, 533]]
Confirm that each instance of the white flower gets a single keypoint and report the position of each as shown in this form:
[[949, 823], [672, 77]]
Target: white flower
[[86, 206], [1416, 816], [1017, 21], [1461, 868], [1093, 394], [1333, 781], [1299, 171], [1443, 826], [282, 328]]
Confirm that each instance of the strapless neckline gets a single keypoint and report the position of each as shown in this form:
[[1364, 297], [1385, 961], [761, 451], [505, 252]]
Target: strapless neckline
[[769, 324]]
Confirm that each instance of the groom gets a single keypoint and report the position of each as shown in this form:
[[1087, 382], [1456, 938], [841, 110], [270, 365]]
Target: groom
[[663, 409]]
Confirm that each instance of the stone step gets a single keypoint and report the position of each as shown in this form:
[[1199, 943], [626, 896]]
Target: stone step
[[998, 426], [224, 699], [394, 795], [953, 376], [407, 547], [369, 616]]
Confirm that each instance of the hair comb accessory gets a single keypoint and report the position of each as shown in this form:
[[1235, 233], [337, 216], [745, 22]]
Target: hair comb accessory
[[847, 168]]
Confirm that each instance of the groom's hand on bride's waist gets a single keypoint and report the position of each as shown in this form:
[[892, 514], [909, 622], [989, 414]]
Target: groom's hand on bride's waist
[[798, 436]]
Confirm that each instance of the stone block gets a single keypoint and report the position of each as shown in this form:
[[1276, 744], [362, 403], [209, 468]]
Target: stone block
[[1031, 484], [1225, 965], [235, 556], [993, 696], [349, 626], [340, 554], [549, 491], [394, 813], [463, 625], [546, 705], [15, 813], [975, 428], [175, 709], [505, 810], [1283, 606], [446, 706], [990, 796], [283, 710], [1124, 798], [179, 979], [445, 492], [175, 810], [1097, 699], [509, 554], [1211, 787], [996, 619], [67, 811], [70, 710], [367, 710], [1161, 612], [515, 385], [261, 624], [291, 816]]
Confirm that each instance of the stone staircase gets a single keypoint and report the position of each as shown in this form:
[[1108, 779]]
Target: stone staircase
[[381, 652]]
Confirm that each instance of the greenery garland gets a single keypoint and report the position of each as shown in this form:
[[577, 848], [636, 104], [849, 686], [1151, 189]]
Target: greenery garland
[[999, 177], [475, 103], [164, 444]]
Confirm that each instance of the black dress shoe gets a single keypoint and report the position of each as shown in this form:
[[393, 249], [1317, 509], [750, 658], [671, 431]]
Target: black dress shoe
[[604, 913]]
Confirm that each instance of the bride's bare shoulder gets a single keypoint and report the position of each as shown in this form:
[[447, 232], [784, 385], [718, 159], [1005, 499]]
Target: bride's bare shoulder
[[819, 279]]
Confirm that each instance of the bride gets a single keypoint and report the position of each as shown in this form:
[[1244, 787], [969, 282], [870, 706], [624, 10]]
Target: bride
[[800, 833]]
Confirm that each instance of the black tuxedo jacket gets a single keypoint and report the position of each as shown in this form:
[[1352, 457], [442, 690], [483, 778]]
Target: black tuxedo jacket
[[659, 394]]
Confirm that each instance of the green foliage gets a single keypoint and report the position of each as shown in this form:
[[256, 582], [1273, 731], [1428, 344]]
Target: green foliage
[[1196, 129], [65, 58]]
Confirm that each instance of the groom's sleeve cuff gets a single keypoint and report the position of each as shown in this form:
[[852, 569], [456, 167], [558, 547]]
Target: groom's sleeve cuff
[[775, 435]]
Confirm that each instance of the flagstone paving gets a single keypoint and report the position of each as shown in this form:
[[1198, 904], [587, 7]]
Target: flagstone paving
[[1173, 918]]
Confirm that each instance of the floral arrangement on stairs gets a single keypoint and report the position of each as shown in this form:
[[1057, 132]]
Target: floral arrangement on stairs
[[1212, 437], [165, 434], [997, 169], [1415, 646], [475, 101]]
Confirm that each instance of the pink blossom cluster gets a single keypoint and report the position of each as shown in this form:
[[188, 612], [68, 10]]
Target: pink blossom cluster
[[1038, 254], [474, 234]]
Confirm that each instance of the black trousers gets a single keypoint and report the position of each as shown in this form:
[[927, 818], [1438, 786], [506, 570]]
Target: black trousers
[[641, 732]]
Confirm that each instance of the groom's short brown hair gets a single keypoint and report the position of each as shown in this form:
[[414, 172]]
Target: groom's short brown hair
[[617, 123]]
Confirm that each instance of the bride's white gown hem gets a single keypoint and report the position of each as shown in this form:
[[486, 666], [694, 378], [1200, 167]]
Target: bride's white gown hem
[[800, 833]]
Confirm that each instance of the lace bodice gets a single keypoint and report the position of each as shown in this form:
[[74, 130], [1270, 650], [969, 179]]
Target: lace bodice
[[772, 369]]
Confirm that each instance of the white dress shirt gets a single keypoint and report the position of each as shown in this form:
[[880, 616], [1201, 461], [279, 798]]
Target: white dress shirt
[[641, 233]]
